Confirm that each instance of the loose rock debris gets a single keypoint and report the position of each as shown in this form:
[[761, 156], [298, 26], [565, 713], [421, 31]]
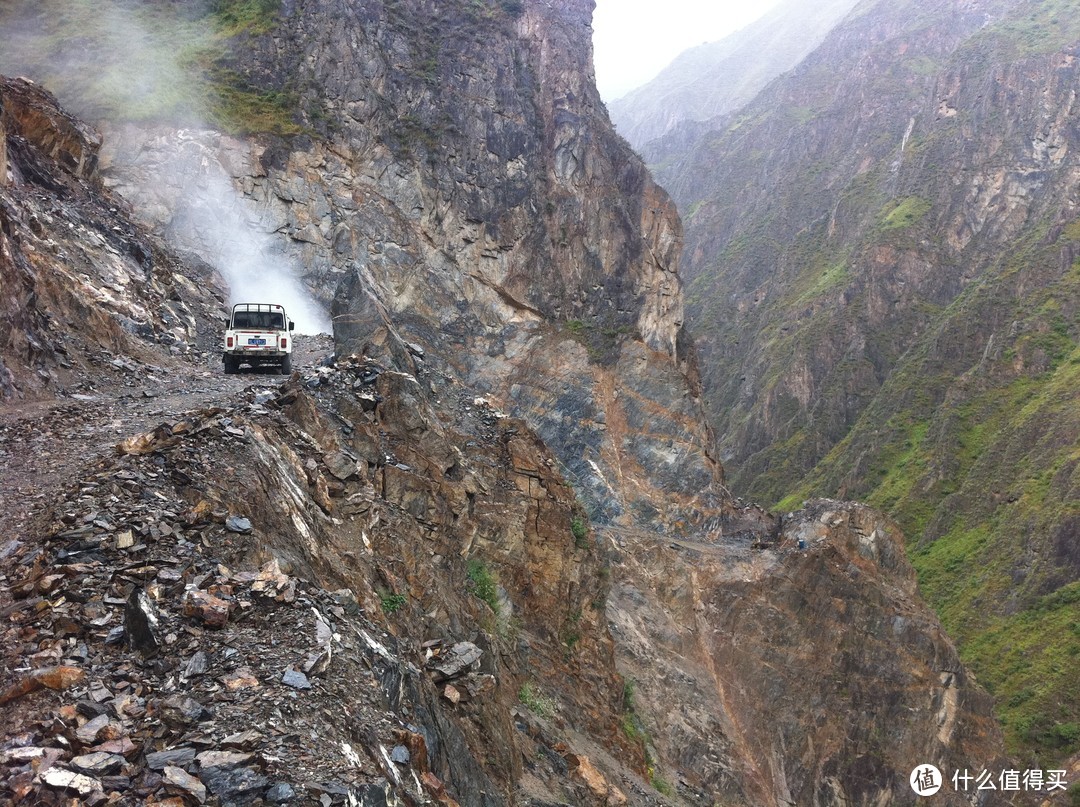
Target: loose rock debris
[[160, 674]]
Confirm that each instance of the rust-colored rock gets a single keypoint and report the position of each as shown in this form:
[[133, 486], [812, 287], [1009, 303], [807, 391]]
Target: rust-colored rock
[[58, 678], [604, 794], [437, 790], [736, 636], [210, 610]]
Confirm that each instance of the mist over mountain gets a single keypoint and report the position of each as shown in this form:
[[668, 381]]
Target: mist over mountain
[[881, 264], [718, 77]]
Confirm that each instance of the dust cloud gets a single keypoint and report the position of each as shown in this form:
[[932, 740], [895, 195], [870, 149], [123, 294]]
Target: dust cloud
[[118, 62]]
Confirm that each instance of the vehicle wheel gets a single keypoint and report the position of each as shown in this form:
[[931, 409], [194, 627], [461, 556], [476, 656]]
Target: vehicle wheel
[[232, 365], [286, 365]]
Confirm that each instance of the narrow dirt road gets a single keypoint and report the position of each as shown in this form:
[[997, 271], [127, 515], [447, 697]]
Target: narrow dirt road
[[45, 444]]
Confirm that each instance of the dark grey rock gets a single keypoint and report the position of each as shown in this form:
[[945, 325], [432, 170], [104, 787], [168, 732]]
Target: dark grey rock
[[182, 710], [98, 763], [455, 661], [340, 464], [88, 732], [295, 679], [347, 600], [281, 793], [372, 796], [238, 524], [116, 635], [236, 786], [142, 623], [178, 757], [197, 665], [89, 709]]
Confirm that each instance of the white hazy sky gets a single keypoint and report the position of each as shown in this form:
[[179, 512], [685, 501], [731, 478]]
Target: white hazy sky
[[633, 40]]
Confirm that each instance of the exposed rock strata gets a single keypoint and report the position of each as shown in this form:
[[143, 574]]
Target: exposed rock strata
[[77, 276], [731, 651], [494, 218]]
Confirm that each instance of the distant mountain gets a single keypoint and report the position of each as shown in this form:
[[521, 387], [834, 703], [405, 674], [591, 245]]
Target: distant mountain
[[883, 267], [718, 77]]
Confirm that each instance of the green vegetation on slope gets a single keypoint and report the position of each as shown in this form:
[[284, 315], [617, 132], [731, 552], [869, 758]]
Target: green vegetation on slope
[[982, 470], [905, 213], [1045, 27], [879, 277]]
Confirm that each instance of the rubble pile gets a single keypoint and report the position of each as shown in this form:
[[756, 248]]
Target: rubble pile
[[143, 669], [210, 614]]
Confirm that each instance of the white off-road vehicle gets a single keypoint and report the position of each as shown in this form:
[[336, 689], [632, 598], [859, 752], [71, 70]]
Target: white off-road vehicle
[[258, 334]]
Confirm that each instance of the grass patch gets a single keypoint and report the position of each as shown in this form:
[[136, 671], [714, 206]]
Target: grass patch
[[391, 602], [571, 631], [1029, 661], [165, 62], [239, 107], [236, 17], [905, 213], [661, 785], [631, 723], [601, 341], [1030, 30], [832, 277], [483, 584], [535, 701], [579, 528]]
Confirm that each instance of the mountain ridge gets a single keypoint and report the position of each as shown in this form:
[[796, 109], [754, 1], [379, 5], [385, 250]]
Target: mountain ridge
[[719, 77]]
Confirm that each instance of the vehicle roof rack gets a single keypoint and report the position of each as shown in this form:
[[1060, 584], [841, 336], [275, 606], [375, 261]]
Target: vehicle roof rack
[[257, 307]]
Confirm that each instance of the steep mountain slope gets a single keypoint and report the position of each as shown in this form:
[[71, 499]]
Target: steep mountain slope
[[96, 285], [719, 77], [153, 647], [470, 189], [378, 530], [881, 258]]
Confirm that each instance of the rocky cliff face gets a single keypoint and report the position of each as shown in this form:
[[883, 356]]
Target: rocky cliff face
[[472, 192], [749, 652], [395, 582], [880, 259], [348, 564], [80, 281]]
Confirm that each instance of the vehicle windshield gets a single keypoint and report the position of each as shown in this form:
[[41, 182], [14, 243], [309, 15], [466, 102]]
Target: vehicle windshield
[[263, 320]]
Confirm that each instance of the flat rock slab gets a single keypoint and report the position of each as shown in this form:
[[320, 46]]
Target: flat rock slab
[[455, 661], [295, 679], [98, 763], [63, 779], [235, 786], [177, 779], [175, 757], [238, 524]]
